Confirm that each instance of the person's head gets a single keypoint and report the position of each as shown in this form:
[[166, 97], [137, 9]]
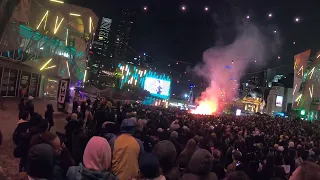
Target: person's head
[[74, 116], [306, 170], [128, 125], [40, 162], [47, 138], [174, 135], [149, 166], [25, 115], [291, 144], [237, 175], [166, 154], [236, 155], [201, 162], [191, 146], [30, 98], [216, 155], [97, 154]]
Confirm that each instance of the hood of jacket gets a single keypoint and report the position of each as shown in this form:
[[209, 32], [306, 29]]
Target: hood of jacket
[[200, 163], [97, 175]]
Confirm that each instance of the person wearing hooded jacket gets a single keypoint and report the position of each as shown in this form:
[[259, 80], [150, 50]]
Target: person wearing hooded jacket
[[166, 154], [200, 166], [186, 154], [126, 151], [96, 162]]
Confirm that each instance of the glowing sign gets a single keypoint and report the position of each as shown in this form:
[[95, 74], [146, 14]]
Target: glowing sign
[[238, 112], [157, 87], [279, 101]]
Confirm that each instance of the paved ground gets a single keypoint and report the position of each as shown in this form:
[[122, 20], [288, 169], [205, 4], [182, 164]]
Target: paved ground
[[8, 121]]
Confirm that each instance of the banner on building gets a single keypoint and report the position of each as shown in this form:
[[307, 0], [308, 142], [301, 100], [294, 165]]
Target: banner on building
[[63, 94]]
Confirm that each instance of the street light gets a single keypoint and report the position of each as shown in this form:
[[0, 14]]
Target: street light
[[206, 8], [275, 31], [297, 19], [145, 8], [183, 8], [248, 17], [270, 15]]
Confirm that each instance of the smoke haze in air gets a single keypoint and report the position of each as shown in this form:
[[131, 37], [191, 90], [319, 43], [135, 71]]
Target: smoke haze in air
[[224, 65]]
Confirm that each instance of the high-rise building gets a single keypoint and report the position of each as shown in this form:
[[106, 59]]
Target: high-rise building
[[122, 33], [99, 50], [102, 41]]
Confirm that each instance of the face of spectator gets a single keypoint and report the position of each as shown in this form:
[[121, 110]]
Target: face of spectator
[[56, 146]]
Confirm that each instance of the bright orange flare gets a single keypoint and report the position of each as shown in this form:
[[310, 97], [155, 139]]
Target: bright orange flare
[[206, 108]]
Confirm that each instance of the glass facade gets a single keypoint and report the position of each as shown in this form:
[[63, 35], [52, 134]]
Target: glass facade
[[17, 83]]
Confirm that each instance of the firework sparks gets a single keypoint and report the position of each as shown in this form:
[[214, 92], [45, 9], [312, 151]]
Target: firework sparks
[[206, 108]]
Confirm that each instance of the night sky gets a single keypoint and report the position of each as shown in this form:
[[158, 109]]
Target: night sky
[[169, 34]]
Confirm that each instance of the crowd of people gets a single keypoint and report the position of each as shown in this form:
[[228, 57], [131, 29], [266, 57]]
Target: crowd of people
[[107, 140]]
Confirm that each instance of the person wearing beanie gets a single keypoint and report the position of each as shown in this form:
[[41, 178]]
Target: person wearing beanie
[[40, 162], [166, 154], [150, 168], [126, 150], [200, 166]]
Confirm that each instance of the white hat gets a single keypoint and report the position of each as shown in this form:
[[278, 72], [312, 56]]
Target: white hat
[[30, 98]]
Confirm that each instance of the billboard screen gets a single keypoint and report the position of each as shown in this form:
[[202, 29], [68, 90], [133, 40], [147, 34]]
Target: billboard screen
[[279, 101], [157, 87]]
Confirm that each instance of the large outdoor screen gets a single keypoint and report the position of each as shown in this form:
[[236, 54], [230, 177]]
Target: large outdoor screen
[[157, 87]]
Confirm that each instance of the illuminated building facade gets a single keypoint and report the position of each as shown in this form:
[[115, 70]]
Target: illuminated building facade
[[103, 39], [159, 85], [52, 38], [306, 85], [253, 105]]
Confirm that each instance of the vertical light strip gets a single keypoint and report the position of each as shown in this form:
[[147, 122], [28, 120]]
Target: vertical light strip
[[295, 88], [56, 28], [67, 35], [90, 24], [45, 16], [85, 76], [298, 99], [68, 68], [301, 69], [311, 91], [311, 72]]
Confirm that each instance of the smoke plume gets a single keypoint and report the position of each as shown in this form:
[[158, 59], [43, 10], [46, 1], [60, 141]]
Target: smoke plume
[[223, 66]]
